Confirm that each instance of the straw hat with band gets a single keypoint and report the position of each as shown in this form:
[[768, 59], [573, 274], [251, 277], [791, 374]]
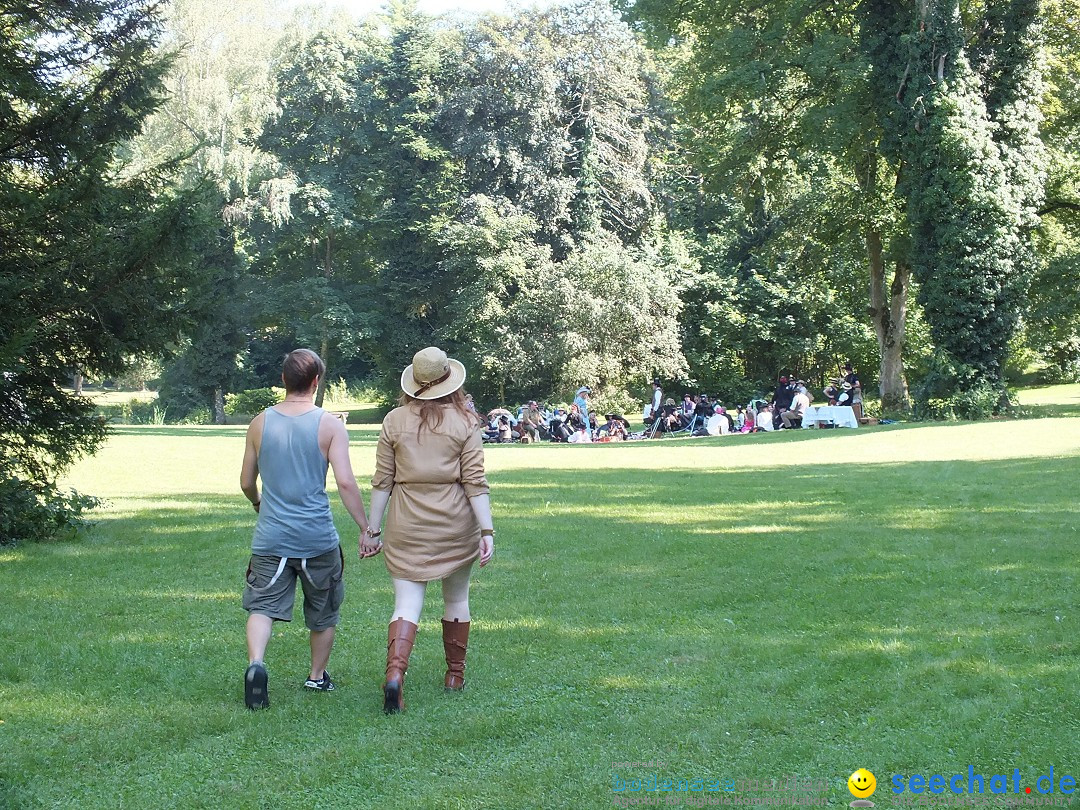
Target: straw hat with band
[[432, 375]]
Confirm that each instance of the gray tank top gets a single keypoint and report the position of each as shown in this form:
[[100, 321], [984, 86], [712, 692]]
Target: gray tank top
[[294, 516]]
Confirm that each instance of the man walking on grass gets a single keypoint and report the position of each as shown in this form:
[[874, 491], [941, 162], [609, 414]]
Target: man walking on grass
[[290, 446]]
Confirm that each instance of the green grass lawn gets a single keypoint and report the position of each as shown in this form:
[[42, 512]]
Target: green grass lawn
[[112, 396], [901, 598]]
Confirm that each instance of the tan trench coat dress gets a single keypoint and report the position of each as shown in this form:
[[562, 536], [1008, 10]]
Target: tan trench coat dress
[[430, 530]]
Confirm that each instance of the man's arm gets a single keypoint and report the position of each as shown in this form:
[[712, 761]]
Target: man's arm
[[249, 470], [338, 456]]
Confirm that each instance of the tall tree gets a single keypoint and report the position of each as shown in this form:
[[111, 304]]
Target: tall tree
[[95, 261], [1053, 321], [794, 89], [313, 225], [973, 176], [219, 93]]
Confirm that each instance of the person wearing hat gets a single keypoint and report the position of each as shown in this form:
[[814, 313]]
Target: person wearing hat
[[289, 447], [670, 415], [832, 393], [430, 483], [854, 389], [782, 399], [582, 402], [614, 428]]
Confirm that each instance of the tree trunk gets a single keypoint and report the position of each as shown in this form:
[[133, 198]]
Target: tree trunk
[[324, 353], [889, 314], [78, 382], [324, 345], [218, 406]]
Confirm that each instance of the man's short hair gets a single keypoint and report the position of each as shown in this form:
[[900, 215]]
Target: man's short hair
[[300, 369]]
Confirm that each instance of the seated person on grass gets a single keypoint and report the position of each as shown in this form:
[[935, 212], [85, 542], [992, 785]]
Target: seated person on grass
[[558, 428], [614, 428], [705, 408], [740, 419], [670, 416], [765, 417], [531, 421], [506, 434], [792, 417], [491, 430]]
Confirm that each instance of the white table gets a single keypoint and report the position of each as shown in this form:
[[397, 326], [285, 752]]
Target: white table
[[839, 415]]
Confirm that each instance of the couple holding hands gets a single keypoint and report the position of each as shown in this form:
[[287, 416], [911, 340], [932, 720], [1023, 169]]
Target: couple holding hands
[[430, 484]]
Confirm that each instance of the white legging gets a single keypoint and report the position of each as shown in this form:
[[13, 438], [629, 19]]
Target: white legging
[[409, 597]]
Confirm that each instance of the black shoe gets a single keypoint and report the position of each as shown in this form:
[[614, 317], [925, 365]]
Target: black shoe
[[256, 694], [324, 684]]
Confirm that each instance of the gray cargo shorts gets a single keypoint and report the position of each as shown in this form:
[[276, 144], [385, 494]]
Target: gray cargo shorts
[[271, 587]]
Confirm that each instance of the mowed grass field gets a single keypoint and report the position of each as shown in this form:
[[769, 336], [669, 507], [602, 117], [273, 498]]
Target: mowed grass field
[[902, 598]]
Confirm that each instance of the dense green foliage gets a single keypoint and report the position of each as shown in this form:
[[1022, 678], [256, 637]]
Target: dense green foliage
[[973, 178], [422, 180], [908, 131], [484, 187], [252, 401], [711, 193], [93, 258]]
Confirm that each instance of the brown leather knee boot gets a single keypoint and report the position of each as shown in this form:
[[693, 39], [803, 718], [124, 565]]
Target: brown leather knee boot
[[455, 639], [399, 646]]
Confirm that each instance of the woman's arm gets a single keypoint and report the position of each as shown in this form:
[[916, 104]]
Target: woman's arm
[[476, 488], [382, 484], [481, 506], [379, 499]]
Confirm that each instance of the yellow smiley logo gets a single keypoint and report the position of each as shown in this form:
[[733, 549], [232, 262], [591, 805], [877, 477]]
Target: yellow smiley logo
[[862, 784]]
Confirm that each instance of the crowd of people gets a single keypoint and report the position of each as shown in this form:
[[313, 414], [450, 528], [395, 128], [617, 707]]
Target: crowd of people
[[699, 414], [534, 422]]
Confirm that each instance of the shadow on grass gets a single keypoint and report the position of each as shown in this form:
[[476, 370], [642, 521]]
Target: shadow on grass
[[920, 607], [202, 431], [1050, 411]]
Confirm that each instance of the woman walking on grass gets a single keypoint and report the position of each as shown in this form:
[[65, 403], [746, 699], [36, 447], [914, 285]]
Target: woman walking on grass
[[430, 470]]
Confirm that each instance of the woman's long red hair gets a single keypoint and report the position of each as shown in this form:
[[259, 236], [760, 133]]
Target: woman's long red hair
[[432, 410]]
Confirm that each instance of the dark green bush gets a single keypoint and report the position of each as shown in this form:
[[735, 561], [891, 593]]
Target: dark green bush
[[31, 511], [952, 390], [251, 402]]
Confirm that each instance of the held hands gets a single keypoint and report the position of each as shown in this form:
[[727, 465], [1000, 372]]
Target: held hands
[[370, 543]]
